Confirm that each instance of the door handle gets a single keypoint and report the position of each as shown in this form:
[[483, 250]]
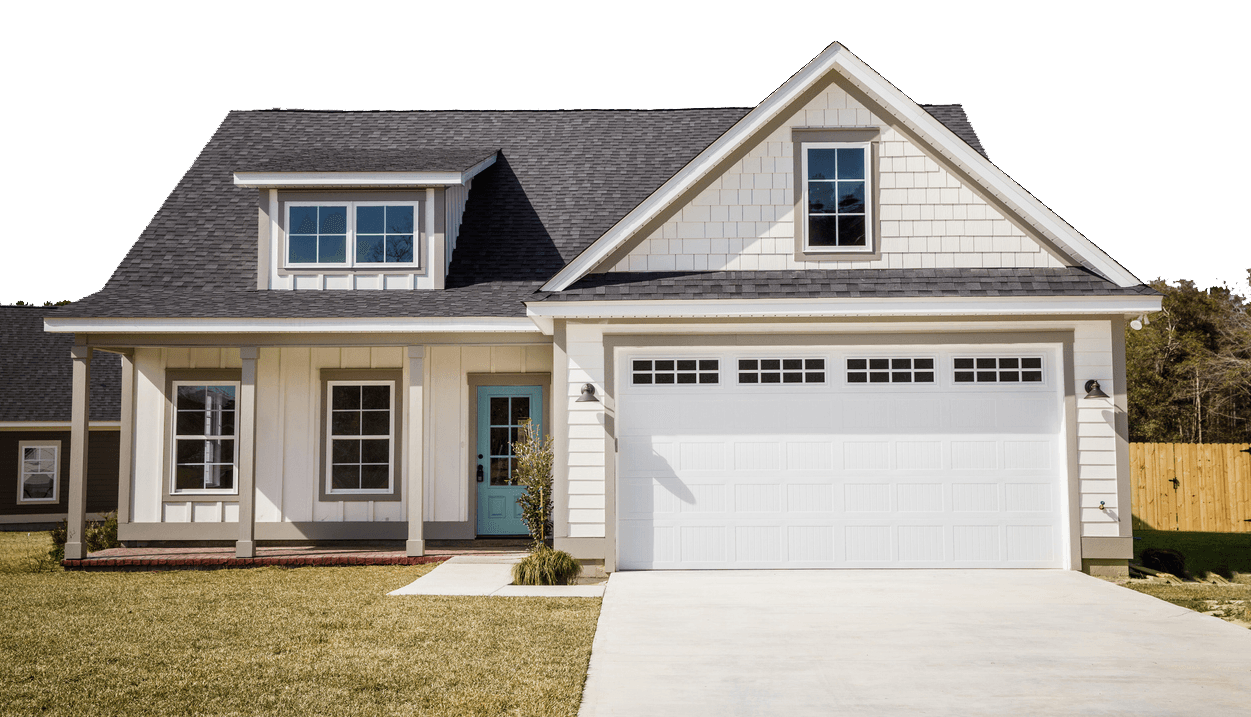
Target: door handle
[[480, 473], [1176, 483]]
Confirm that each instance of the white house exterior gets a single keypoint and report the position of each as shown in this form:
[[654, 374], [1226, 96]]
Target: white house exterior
[[824, 332]]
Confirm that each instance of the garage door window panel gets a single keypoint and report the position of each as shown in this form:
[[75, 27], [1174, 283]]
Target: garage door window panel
[[675, 371], [880, 369], [781, 370], [998, 369]]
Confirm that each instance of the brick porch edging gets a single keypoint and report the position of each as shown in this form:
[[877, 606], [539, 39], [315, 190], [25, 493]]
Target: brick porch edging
[[213, 563]]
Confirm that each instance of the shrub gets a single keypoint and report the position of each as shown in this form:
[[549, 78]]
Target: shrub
[[97, 536], [545, 566], [534, 471]]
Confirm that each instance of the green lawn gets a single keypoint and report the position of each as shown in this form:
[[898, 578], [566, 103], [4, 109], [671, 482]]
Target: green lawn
[[278, 641]]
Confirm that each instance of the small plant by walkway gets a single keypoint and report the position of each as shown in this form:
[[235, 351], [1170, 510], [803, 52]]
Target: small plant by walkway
[[543, 566], [278, 641]]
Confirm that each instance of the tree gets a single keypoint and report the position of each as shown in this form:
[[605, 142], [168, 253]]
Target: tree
[[534, 471], [1189, 369]]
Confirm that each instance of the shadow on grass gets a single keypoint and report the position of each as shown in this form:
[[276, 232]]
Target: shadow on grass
[[1220, 553]]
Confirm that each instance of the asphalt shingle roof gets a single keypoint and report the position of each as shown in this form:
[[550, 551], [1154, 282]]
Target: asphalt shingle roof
[[954, 118], [841, 283], [365, 159], [37, 374]]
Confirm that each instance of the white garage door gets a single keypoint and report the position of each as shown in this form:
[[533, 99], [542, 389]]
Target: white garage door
[[846, 458]]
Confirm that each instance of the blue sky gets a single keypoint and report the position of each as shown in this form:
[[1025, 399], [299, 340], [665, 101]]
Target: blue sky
[[1122, 117]]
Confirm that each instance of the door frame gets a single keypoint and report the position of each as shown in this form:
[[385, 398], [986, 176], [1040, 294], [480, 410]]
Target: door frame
[[474, 381]]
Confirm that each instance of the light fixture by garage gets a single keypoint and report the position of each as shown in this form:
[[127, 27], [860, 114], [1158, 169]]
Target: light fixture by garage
[[588, 394], [1092, 390]]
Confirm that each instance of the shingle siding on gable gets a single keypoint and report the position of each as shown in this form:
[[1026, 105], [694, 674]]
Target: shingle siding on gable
[[928, 218]]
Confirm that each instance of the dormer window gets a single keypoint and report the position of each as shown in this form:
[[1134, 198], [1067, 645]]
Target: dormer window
[[352, 234]]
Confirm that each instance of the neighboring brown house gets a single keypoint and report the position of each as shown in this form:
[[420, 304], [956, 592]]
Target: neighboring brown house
[[35, 394]]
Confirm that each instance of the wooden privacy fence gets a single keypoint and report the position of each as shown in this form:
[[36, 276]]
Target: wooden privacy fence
[[1191, 486]]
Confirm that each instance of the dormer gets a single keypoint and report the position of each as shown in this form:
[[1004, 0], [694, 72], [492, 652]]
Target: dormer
[[360, 219]]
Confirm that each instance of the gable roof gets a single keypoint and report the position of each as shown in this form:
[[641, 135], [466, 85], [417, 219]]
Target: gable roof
[[912, 119], [37, 374]]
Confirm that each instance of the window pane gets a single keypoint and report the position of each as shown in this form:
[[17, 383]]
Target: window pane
[[345, 423], [686, 378], [220, 477], [346, 397], [189, 451], [332, 220], [964, 376], [925, 377], [190, 398], [823, 231], [709, 364], [302, 250], [879, 377], [345, 451], [374, 477], [189, 478], [345, 477], [851, 163], [924, 363], [964, 363], [375, 423], [642, 378], [851, 231], [858, 377], [747, 364], [1009, 362], [770, 364], [1031, 363], [220, 423], [988, 376], [369, 249], [499, 441], [303, 220], [986, 363], [219, 452], [376, 451], [375, 397], [821, 163], [748, 378], [851, 197], [399, 220], [857, 364], [642, 365], [369, 220], [664, 378], [708, 377], [37, 487], [821, 198], [901, 363], [1009, 376], [499, 471], [221, 398], [332, 250], [190, 423], [399, 248], [792, 363], [1031, 376], [879, 363], [520, 410], [901, 377], [770, 378], [499, 411], [686, 365]]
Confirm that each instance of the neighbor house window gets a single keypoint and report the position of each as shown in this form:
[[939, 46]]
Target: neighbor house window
[[205, 446], [39, 465], [352, 234], [361, 429], [999, 369], [837, 192]]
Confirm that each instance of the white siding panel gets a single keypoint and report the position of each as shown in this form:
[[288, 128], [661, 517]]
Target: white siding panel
[[269, 432], [149, 435]]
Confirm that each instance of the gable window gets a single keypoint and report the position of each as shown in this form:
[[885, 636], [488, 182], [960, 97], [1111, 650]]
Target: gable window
[[205, 449], [837, 195], [38, 467], [352, 234], [361, 429]]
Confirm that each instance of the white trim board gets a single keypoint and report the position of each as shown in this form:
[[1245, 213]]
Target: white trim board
[[294, 326], [56, 425], [942, 140], [858, 306], [275, 180]]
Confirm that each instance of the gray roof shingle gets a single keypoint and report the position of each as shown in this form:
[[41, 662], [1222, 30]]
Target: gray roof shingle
[[36, 376]]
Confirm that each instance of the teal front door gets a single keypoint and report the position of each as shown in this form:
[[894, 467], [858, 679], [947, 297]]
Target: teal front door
[[501, 410]]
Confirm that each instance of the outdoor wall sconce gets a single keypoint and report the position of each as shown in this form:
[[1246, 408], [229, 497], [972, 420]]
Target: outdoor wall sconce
[[588, 394], [1092, 390]]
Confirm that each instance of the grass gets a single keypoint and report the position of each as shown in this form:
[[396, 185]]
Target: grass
[[278, 641], [1222, 553], [1228, 602]]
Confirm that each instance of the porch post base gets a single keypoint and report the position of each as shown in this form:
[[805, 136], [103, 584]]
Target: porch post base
[[415, 548], [75, 551], [245, 548]]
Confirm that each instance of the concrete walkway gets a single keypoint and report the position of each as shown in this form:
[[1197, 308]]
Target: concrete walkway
[[907, 642], [488, 575]]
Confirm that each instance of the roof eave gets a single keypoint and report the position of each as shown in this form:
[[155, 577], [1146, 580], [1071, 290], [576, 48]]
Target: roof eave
[[326, 180]]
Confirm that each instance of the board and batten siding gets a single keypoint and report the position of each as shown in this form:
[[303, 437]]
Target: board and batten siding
[[289, 423], [744, 221], [1096, 460]]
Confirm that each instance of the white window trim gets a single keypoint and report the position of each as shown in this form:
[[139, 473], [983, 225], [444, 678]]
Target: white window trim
[[21, 472], [174, 437], [329, 468], [351, 263], [869, 234]]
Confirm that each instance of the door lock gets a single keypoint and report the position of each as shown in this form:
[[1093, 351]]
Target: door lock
[[480, 473], [1176, 483]]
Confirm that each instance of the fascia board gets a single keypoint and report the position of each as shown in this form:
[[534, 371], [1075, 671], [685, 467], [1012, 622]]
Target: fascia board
[[855, 306], [267, 180], [295, 326], [981, 169], [53, 425], [696, 168]]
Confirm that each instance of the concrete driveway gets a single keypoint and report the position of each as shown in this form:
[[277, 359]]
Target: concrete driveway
[[907, 642]]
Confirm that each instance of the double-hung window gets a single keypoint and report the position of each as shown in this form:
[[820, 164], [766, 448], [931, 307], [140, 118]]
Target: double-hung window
[[837, 197], [361, 425], [205, 446], [378, 235], [38, 467]]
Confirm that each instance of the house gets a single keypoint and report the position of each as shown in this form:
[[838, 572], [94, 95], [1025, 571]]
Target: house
[[825, 331], [35, 396]]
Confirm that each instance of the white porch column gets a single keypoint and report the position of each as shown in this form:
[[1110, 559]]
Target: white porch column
[[245, 419], [80, 415], [414, 448]]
